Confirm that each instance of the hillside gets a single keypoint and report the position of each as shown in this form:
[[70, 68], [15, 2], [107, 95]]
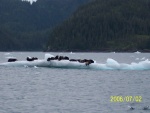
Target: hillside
[[26, 27], [105, 25]]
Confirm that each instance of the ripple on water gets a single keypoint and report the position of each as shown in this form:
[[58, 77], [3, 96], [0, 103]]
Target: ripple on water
[[39, 90]]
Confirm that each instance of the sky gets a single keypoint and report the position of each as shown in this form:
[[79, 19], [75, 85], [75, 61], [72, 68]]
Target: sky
[[31, 1]]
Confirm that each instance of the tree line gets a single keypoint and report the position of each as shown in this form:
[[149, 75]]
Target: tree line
[[104, 25], [27, 27]]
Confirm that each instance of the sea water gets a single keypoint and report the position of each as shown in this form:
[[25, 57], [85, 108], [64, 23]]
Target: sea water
[[62, 90]]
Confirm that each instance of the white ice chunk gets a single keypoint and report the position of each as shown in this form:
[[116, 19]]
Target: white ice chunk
[[48, 55], [110, 64], [137, 52]]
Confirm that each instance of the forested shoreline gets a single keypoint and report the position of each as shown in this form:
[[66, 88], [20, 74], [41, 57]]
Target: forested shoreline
[[110, 25], [75, 25], [25, 27]]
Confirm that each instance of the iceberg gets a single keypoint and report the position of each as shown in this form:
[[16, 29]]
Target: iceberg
[[110, 64]]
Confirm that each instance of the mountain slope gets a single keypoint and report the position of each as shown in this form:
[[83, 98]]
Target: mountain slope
[[105, 25], [30, 23]]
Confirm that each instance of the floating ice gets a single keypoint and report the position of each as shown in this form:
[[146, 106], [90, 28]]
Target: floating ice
[[113, 52], [47, 55], [110, 64], [35, 67], [72, 52], [137, 52]]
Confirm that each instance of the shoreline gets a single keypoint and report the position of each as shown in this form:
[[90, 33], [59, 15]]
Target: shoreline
[[86, 51]]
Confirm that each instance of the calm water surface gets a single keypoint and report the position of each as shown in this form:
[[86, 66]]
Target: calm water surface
[[52, 90]]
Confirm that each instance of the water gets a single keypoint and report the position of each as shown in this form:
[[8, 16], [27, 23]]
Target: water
[[53, 90]]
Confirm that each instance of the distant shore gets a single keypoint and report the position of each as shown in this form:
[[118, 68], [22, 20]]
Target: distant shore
[[88, 51], [104, 51]]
